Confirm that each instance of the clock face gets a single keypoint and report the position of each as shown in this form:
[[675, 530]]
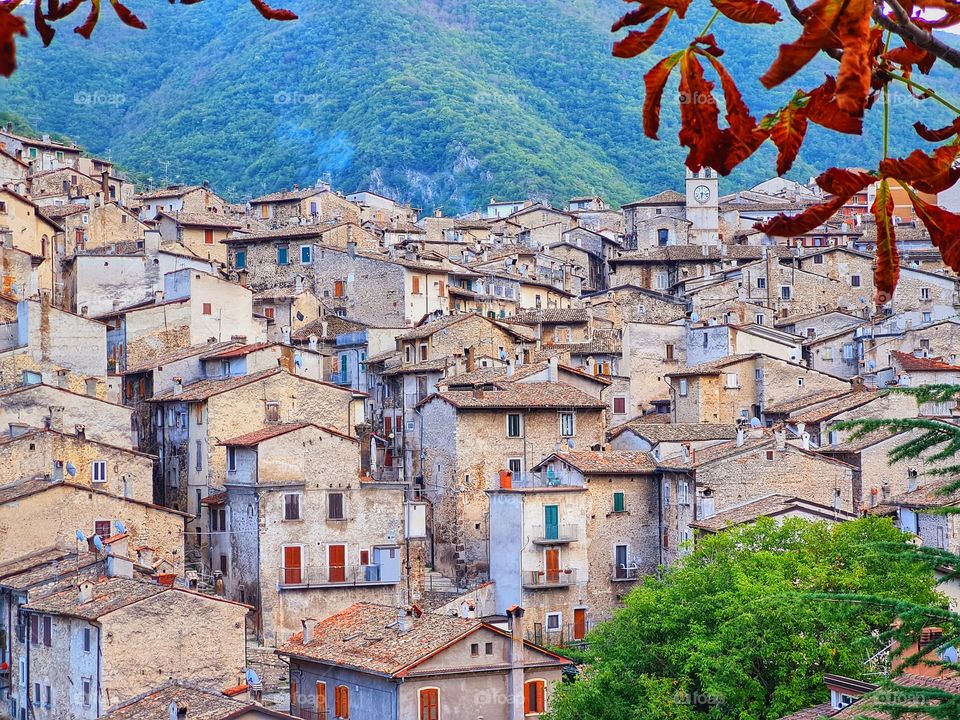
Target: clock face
[[701, 193]]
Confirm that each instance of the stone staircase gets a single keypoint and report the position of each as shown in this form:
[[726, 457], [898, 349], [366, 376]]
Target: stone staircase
[[438, 583]]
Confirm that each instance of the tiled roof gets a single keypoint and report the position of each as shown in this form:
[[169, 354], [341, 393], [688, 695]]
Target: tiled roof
[[711, 454], [203, 389], [292, 231], [928, 496], [170, 356], [676, 432], [712, 367], [199, 703], [482, 376], [552, 315], [43, 566], [239, 351], [178, 191], [832, 408], [265, 433], [912, 363], [203, 219], [288, 195], [438, 364], [613, 462], [336, 325], [365, 636], [768, 506], [867, 708], [603, 342], [666, 197], [544, 395], [789, 406], [824, 710], [429, 328], [109, 594], [61, 211]]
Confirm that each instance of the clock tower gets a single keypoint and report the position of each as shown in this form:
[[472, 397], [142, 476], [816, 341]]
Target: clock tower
[[703, 207]]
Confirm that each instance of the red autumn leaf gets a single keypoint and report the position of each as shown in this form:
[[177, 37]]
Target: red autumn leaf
[[748, 11], [646, 12], [127, 17], [708, 43], [91, 22], [699, 114], [654, 81], [43, 27], [938, 135], [842, 184], [787, 130], [10, 26], [273, 13], [678, 6], [927, 173], [62, 11], [944, 229], [822, 109], [637, 42], [887, 272], [909, 55]]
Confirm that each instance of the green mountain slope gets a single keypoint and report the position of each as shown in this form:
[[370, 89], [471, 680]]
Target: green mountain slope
[[444, 102]]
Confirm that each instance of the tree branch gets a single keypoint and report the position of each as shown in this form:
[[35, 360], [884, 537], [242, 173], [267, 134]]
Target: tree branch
[[801, 17], [902, 26]]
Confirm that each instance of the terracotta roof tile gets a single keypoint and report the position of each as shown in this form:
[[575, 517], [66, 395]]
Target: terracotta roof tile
[[204, 219], [265, 433], [176, 354], [912, 363], [832, 408], [867, 707], [676, 432], [200, 704], [545, 395], [611, 462], [336, 325], [790, 406], [109, 594], [288, 195], [552, 315], [203, 389], [768, 506], [666, 197], [824, 710], [239, 351]]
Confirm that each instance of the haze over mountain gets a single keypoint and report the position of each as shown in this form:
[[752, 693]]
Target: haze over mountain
[[444, 103]]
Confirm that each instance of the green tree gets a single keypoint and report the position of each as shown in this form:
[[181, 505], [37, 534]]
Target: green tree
[[737, 630]]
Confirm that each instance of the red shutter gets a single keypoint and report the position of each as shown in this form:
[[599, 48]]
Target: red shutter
[[429, 704], [34, 629], [47, 630], [292, 559], [208, 236], [579, 623], [336, 563]]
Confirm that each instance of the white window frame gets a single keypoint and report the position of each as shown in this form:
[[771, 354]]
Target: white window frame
[[98, 471], [682, 387], [573, 424], [299, 516], [519, 417], [553, 615], [309, 249]]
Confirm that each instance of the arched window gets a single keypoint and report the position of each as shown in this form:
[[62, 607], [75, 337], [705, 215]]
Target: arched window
[[429, 704], [341, 702], [43, 246], [533, 700]]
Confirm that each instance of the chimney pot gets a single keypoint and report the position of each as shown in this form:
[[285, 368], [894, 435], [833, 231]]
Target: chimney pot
[[177, 385], [308, 625], [85, 591]]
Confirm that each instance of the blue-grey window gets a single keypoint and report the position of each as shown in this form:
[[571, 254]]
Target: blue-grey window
[[240, 259], [283, 255]]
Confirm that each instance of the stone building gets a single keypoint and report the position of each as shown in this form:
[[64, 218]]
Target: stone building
[[62, 186], [200, 232], [377, 661], [41, 153], [304, 206], [95, 225], [42, 405], [193, 701], [24, 226], [293, 544], [179, 198], [465, 439]]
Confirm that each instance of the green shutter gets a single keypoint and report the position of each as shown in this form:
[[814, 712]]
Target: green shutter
[[551, 522], [618, 502]]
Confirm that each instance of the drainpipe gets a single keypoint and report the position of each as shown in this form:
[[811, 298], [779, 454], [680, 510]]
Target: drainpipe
[[99, 654], [659, 481]]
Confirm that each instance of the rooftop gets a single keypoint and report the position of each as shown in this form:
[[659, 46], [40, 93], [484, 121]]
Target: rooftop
[[912, 363], [109, 594], [613, 462], [676, 432], [543, 395], [200, 704], [768, 506]]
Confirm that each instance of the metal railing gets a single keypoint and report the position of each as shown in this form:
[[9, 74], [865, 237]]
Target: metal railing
[[333, 575], [543, 480], [554, 533], [564, 636], [625, 574], [311, 714], [340, 378], [543, 579]]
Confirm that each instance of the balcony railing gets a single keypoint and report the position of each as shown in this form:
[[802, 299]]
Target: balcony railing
[[546, 579], [340, 378], [334, 576], [625, 574], [352, 338], [554, 534], [311, 714], [526, 480]]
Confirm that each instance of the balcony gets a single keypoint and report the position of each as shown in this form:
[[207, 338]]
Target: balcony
[[293, 578], [549, 579], [554, 534], [352, 338], [339, 378], [311, 714], [625, 574], [545, 480]]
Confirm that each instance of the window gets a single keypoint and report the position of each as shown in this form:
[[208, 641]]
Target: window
[[423, 351], [475, 650], [283, 255], [208, 236], [800, 382], [924, 293], [416, 285], [818, 259], [240, 260], [339, 288], [732, 380], [924, 343], [86, 639], [341, 701], [769, 455], [199, 454], [566, 424], [786, 292], [264, 212], [758, 374], [224, 567], [3, 208], [663, 235], [207, 309], [515, 466], [47, 696], [683, 492], [554, 621], [99, 470], [441, 288], [102, 528], [759, 319], [927, 317], [533, 701], [429, 704], [619, 502], [335, 506], [682, 387], [231, 459], [322, 700], [619, 405], [47, 631], [488, 648], [36, 694], [292, 564], [855, 281], [514, 425], [669, 353], [848, 351], [273, 412], [85, 684], [291, 506], [761, 283], [306, 254]]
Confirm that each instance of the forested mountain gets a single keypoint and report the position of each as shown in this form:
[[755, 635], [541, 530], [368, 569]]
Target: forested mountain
[[440, 102]]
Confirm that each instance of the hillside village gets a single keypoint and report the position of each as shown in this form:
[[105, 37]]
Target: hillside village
[[326, 455]]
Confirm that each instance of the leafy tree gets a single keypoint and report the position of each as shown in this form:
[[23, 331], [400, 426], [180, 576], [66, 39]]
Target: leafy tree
[[731, 632], [873, 44]]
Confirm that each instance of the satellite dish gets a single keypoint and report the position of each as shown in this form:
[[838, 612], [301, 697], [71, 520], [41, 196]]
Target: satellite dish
[[754, 422], [98, 543], [251, 677], [694, 317], [120, 527], [570, 443], [950, 654], [71, 470], [80, 536], [871, 365]]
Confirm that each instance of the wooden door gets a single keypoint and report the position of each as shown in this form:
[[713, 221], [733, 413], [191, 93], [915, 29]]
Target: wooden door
[[292, 565], [579, 623], [337, 563], [321, 706], [552, 556]]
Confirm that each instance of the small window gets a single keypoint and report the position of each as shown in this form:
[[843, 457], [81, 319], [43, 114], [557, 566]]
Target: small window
[[231, 459], [283, 255], [514, 425], [99, 470], [429, 704], [855, 281], [761, 283], [769, 455], [199, 454], [619, 405], [488, 648], [208, 236], [567, 424], [669, 353], [207, 309], [800, 382], [786, 292], [86, 639], [273, 412], [416, 285], [47, 696], [85, 685], [291, 506], [759, 319], [619, 502], [682, 387], [554, 621], [102, 528], [533, 697], [240, 260], [924, 293], [758, 374], [335, 506], [683, 492], [663, 236], [341, 698], [732, 381], [927, 317], [47, 631], [818, 259], [306, 254], [475, 650]]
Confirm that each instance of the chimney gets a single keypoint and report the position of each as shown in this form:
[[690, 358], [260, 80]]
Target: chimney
[[780, 434], [84, 310], [105, 185], [515, 686], [80, 431], [158, 296], [805, 440], [509, 368], [553, 365], [438, 213], [308, 625], [741, 437], [285, 331], [178, 386], [85, 589], [351, 248], [324, 327], [239, 339], [177, 710], [685, 452], [119, 564], [405, 620], [298, 284], [478, 393], [55, 419], [313, 342]]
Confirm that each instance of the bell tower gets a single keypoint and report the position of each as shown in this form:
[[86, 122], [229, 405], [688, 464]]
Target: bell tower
[[703, 207]]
